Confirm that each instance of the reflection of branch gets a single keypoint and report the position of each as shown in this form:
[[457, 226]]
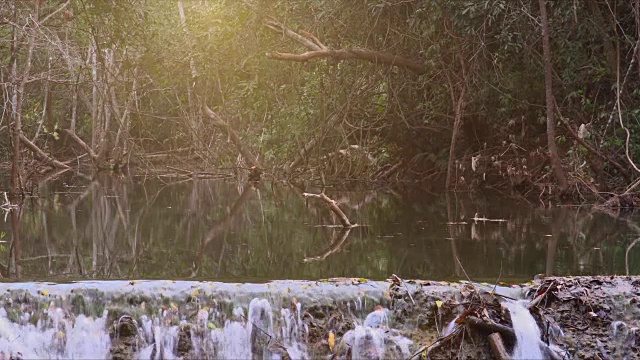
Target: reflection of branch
[[631, 225], [336, 245], [222, 225], [368, 198], [626, 255], [333, 205]]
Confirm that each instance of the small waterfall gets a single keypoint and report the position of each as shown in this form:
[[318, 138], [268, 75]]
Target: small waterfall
[[233, 341], [450, 326], [375, 340], [366, 342], [215, 320], [60, 336], [527, 331]]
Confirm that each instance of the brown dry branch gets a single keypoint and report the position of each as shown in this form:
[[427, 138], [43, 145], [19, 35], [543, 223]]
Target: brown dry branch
[[497, 346], [221, 124], [427, 349], [41, 154], [83, 145], [632, 186], [386, 174], [589, 148], [490, 327], [318, 50], [397, 279], [52, 175], [507, 332], [333, 205], [334, 120]]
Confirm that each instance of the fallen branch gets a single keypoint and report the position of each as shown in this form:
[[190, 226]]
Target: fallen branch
[[385, 175], [82, 144], [507, 332], [318, 50], [41, 154], [490, 327], [220, 123], [333, 205], [439, 342], [399, 280], [497, 346], [631, 187], [539, 297]]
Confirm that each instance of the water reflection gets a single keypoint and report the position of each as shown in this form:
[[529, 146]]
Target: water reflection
[[215, 230]]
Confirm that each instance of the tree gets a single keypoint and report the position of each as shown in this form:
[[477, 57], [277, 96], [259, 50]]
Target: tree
[[552, 148]]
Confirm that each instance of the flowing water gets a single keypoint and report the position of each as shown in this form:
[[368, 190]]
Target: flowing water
[[155, 320], [526, 329]]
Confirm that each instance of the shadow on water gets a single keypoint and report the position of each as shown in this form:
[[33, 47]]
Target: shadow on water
[[214, 230]]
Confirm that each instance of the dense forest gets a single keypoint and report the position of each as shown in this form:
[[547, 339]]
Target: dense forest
[[536, 96]]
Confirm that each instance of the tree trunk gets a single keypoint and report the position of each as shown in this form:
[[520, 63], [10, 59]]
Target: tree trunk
[[551, 126], [457, 122], [14, 125], [17, 97]]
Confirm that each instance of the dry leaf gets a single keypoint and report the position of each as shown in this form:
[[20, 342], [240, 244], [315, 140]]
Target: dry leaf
[[331, 340]]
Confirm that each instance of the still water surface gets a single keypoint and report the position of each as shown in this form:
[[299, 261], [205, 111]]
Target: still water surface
[[224, 231]]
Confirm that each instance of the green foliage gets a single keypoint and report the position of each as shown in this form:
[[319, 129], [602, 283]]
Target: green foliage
[[491, 48]]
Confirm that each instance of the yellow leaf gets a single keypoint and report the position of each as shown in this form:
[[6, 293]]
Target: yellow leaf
[[331, 340], [439, 303], [44, 292]]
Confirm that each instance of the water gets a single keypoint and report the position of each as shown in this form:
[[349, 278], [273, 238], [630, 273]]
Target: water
[[59, 336], [116, 228], [214, 322], [374, 339], [450, 326], [526, 329]]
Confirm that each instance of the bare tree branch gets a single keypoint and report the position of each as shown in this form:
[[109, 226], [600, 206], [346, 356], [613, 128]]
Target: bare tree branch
[[41, 154], [82, 144], [55, 12], [333, 205], [318, 50]]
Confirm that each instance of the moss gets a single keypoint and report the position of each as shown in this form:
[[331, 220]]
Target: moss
[[79, 305]]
